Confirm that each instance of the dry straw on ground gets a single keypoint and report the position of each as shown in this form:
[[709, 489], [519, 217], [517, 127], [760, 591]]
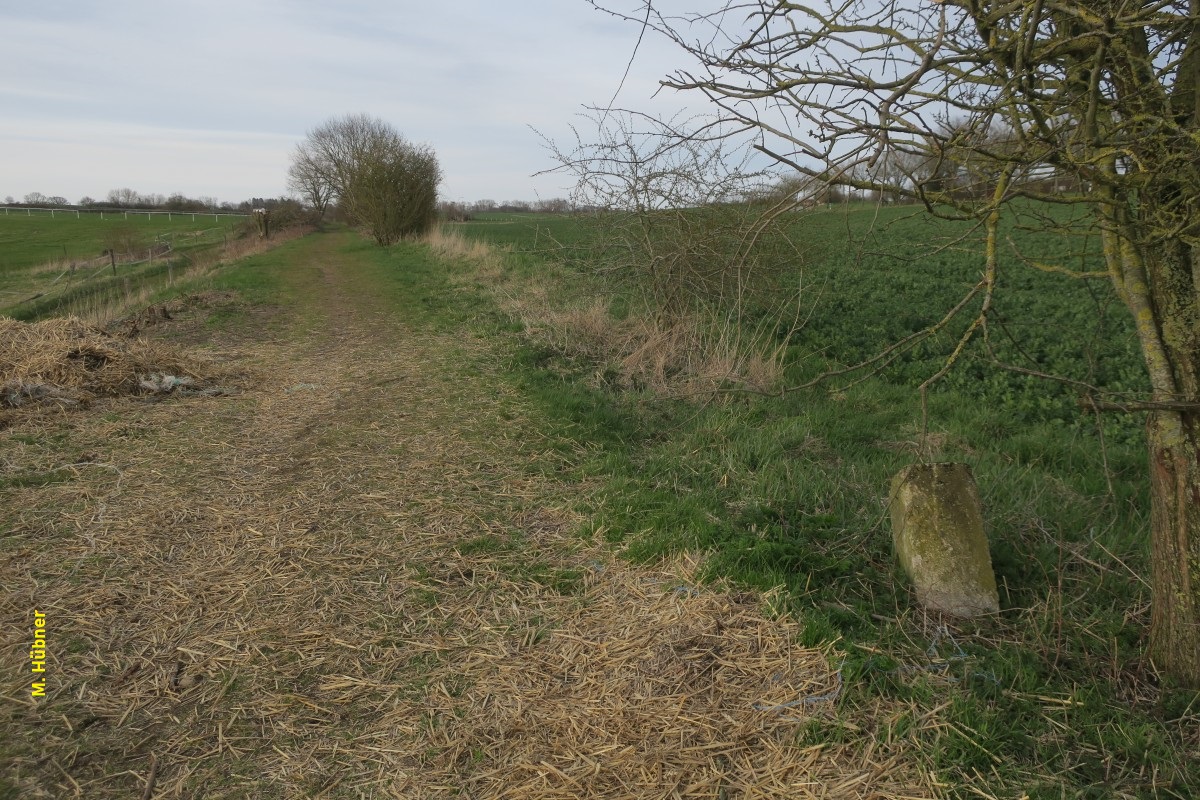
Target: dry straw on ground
[[351, 581], [65, 362], [652, 687]]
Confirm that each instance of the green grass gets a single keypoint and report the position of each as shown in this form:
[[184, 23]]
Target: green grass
[[405, 279], [1053, 698], [525, 231], [37, 251], [259, 278], [37, 239], [34, 479]]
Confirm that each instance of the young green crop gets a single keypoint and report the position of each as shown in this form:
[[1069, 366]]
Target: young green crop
[[1053, 697]]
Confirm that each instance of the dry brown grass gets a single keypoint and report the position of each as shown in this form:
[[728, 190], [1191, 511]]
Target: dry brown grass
[[686, 356], [450, 243], [347, 582], [67, 363]]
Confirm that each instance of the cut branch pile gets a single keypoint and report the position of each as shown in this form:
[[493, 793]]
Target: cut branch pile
[[67, 362]]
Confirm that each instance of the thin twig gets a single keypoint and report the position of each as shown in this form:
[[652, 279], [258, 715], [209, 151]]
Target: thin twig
[[151, 778]]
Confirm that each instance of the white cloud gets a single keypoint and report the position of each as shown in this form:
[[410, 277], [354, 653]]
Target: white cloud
[[209, 99]]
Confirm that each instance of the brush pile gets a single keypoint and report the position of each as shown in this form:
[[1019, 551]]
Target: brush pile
[[65, 362]]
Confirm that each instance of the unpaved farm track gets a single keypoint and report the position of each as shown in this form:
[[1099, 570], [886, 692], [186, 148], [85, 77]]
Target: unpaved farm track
[[348, 581]]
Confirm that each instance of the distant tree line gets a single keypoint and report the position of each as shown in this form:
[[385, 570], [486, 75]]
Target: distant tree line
[[127, 198], [453, 211]]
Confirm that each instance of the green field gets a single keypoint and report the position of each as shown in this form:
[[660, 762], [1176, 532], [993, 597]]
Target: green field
[[1055, 698], [37, 252], [37, 239]]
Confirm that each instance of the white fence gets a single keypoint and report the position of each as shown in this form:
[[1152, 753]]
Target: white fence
[[117, 213]]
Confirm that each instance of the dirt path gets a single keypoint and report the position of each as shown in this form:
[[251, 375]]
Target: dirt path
[[352, 580]]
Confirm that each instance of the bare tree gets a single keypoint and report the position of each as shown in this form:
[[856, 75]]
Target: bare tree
[[380, 179], [124, 197], [1100, 97], [679, 216], [311, 178]]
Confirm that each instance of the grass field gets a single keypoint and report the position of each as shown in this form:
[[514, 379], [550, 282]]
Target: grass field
[[1052, 699], [353, 575], [39, 239], [37, 253]]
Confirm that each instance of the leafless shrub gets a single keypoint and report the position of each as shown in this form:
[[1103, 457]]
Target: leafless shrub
[[695, 234], [677, 216], [380, 180]]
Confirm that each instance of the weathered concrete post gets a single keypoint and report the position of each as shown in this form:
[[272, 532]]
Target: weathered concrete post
[[937, 527], [262, 217]]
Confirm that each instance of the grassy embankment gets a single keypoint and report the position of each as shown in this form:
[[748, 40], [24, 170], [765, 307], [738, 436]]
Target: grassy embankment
[[375, 473], [1055, 697], [53, 265]]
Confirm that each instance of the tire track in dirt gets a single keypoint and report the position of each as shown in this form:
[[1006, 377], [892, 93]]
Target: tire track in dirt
[[347, 581]]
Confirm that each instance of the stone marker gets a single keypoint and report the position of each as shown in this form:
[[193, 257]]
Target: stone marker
[[937, 527]]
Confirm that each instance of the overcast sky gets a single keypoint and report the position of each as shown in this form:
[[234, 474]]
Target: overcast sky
[[209, 99]]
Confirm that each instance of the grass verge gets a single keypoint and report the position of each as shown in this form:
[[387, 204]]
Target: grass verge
[[351, 579], [1054, 698]]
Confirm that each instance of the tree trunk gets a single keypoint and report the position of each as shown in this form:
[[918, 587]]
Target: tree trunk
[[1160, 285], [1174, 439], [1175, 545]]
